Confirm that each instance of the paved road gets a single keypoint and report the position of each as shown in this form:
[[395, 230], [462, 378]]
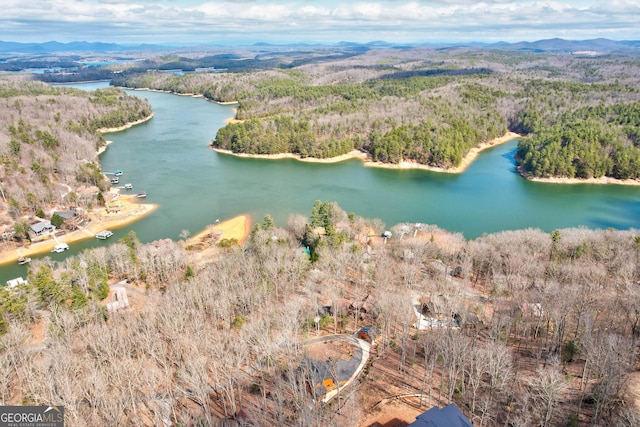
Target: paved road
[[346, 370]]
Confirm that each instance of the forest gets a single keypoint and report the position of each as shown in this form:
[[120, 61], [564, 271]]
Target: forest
[[49, 142], [431, 106], [66, 67], [531, 328], [586, 143], [547, 326]]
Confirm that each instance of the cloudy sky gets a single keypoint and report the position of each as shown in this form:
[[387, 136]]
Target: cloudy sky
[[284, 21]]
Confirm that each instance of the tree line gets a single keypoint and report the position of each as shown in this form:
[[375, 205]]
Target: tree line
[[432, 107]]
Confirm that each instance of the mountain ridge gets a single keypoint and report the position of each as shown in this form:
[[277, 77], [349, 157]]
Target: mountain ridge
[[545, 45]]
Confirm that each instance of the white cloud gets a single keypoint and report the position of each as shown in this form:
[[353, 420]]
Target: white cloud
[[402, 21]]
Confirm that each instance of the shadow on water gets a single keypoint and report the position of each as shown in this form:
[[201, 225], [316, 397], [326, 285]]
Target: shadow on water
[[618, 213], [510, 156]]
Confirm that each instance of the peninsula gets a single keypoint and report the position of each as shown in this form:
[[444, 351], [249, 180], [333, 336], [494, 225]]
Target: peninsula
[[369, 162]]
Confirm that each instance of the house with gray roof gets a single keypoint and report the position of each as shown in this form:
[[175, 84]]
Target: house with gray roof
[[67, 215], [41, 228], [449, 416]]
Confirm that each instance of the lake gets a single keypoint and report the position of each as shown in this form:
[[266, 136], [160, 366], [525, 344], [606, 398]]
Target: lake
[[168, 157]]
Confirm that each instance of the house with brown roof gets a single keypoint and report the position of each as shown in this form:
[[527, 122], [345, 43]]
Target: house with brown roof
[[365, 306], [369, 333], [114, 206]]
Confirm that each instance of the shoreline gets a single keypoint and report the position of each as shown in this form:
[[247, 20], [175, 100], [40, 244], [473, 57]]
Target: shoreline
[[126, 126], [80, 82], [355, 154], [100, 220], [203, 244], [473, 153], [193, 95], [232, 119], [237, 227], [366, 159], [603, 180], [104, 147], [464, 164]]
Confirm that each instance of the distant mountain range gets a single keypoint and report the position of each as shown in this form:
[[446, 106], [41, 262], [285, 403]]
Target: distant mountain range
[[558, 45], [84, 47], [562, 45]]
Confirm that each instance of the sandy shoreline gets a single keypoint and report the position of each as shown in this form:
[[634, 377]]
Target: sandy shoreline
[[464, 164], [237, 228], [203, 245], [104, 147], [231, 119], [127, 126], [98, 220], [602, 180], [356, 154]]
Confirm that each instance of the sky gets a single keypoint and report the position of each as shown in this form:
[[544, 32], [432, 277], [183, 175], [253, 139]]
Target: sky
[[186, 22]]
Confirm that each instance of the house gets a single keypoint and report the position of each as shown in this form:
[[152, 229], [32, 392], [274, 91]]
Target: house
[[113, 206], [41, 228], [14, 283], [121, 299], [435, 312], [319, 377], [71, 218], [449, 416], [67, 215], [437, 306], [467, 320], [367, 305], [369, 333]]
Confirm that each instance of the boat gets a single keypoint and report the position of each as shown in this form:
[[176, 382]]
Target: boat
[[141, 195], [117, 172], [115, 180], [24, 260], [60, 247], [104, 234], [128, 186]]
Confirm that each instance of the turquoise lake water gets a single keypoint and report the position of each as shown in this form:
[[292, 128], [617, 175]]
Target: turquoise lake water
[[168, 157]]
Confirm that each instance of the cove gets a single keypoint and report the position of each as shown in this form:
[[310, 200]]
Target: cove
[[168, 157]]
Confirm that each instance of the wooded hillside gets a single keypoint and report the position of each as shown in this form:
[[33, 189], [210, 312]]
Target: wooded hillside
[[432, 105], [49, 142], [535, 328]]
